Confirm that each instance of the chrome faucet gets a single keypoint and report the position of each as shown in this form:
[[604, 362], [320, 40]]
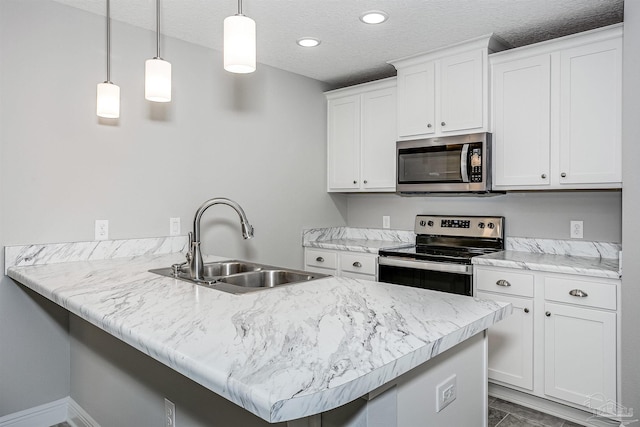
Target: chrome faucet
[[194, 257]]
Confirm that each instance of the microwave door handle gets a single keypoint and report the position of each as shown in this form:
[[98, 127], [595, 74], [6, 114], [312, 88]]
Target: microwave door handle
[[464, 157]]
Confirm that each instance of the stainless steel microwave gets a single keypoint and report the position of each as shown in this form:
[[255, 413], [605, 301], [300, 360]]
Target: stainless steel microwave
[[449, 164]]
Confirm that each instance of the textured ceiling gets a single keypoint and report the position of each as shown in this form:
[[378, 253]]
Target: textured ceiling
[[353, 52]]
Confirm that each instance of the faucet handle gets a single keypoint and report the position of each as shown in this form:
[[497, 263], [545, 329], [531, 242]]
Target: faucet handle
[[189, 253]]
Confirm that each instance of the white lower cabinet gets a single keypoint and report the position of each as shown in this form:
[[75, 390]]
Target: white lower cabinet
[[357, 265], [561, 341], [511, 343]]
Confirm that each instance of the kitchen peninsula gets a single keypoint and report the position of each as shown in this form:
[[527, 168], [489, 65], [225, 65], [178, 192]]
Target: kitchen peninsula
[[284, 353]]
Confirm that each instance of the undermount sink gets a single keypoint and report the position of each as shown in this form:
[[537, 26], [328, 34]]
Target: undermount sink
[[267, 278], [239, 277]]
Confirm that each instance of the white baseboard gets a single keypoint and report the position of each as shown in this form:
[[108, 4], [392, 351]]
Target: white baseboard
[[78, 417], [48, 414]]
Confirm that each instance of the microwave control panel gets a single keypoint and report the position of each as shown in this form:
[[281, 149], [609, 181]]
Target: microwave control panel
[[475, 164]]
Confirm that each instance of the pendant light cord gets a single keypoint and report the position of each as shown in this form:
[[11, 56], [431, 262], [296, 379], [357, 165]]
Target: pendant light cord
[[158, 29], [108, 42], [239, 7]]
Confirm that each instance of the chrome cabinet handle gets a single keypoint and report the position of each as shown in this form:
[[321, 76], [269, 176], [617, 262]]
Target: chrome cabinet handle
[[578, 293], [503, 282], [429, 125], [526, 310], [357, 264], [564, 175], [548, 314], [443, 123], [543, 176], [320, 259]]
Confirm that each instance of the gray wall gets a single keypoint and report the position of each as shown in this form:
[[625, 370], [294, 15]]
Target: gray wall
[[528, 214], [631, 207], [120, 386], [259, 139]]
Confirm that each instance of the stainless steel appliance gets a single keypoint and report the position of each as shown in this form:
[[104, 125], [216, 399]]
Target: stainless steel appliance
[[441, 257], [448, 164]]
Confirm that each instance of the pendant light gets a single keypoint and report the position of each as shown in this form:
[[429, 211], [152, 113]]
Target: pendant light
[[239, 43], [108, 94], [157, 71]]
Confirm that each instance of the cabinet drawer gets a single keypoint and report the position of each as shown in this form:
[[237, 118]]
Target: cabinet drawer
[[594, 294], [506, 282], [323, 259], [358, 263]]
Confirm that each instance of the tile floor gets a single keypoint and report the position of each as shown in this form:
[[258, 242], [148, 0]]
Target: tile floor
[[502, 414], [507, 414]]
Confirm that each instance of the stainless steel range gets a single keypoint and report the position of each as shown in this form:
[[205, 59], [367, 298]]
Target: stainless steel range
[[441, 257]]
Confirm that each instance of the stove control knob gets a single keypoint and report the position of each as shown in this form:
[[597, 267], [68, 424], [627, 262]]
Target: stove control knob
[[423, 223], [481, 225], [491, 225], [430, 223]]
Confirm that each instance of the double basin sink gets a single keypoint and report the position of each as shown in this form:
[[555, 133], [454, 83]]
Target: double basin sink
[[238, 277]]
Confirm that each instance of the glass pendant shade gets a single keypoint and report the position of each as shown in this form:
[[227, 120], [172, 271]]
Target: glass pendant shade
[[239, 44], [157, 80], [108, 100]]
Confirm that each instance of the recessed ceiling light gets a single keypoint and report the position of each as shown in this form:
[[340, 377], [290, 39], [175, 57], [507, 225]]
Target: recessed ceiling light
[[374, 17], [308, 42]]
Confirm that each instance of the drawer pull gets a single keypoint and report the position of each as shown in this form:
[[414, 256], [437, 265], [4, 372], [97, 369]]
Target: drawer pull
[[548, 314], [320, 259], [526, 310], [503, 282], [578, 293], [357, 264]]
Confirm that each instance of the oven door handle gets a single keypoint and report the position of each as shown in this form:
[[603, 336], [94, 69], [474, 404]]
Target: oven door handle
[[427, 265]]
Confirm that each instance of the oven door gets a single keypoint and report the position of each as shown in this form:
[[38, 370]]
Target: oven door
[[437, 276]]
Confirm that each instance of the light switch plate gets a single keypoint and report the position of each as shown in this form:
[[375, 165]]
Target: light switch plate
[[386, 221]]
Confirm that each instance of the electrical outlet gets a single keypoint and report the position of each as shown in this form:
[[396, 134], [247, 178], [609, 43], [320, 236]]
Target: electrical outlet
[[169, 413], [446, 393], [577, 230], [174, 226], [386, 221], [102, 229]]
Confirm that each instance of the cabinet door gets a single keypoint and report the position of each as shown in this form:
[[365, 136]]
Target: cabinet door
[[416, 100], [461, 92], [343, 143], [378, 145], [590, 113], [511, 343], [580, 355], [522, 111]]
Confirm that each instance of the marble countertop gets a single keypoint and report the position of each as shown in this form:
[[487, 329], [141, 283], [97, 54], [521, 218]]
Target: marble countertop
[[552, 263], [282, 353]]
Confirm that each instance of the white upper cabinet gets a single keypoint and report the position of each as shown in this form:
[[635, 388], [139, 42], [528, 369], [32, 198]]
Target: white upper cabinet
[[444, 92], [462, 104], [362, 138], [590, 113], [416, 100], [521, 113], [557, 113]]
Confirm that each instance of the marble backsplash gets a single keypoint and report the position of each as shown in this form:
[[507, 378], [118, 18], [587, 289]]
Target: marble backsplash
[[90, 251], [564, 247], [348, 233]]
